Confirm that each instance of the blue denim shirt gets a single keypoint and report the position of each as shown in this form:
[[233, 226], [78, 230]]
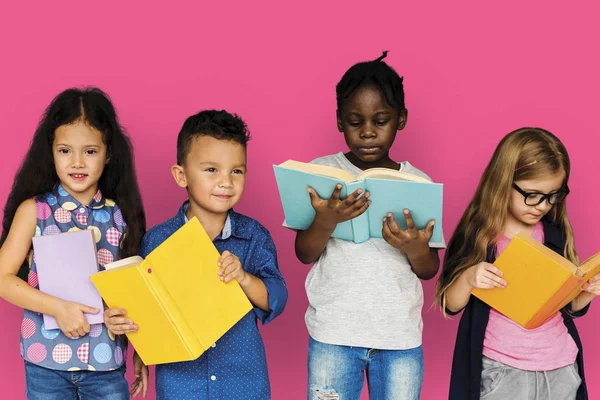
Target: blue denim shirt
[[236, 366]]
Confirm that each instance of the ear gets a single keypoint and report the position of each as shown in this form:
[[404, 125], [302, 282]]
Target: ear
[[402, 119], [179, 175], [339, 120]]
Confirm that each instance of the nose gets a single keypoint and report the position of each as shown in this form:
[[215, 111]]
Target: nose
[[544, 205], [78, 160], [225, 181], [368, 131]]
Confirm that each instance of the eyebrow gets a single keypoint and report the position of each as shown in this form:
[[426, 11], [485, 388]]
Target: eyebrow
[[87, 145], [214, 163], [376, 113]]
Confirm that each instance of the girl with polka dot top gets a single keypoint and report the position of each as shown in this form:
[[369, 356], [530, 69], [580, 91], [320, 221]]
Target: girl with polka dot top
[[78, 174]]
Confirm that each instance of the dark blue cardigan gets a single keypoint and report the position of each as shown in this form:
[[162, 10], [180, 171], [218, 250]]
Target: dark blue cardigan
[[465, 381]]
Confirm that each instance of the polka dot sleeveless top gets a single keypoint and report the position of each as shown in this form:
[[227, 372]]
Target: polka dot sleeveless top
[[100, 350]]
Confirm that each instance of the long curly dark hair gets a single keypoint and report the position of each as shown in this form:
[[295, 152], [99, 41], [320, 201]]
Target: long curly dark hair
[[37, 174]]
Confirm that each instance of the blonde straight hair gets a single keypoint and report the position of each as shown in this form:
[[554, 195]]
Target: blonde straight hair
[[527, 153]]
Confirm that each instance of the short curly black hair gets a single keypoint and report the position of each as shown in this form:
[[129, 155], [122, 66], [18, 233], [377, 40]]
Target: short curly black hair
[[218, 124], [377, 73]]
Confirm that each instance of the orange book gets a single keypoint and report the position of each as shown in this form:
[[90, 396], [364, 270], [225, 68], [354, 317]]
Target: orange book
[[539, 281]]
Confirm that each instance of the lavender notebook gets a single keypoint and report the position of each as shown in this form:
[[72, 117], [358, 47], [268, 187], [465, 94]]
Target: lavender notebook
[[64, 264]]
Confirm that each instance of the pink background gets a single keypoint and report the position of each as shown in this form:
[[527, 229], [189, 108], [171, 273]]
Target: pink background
[[473, 72]]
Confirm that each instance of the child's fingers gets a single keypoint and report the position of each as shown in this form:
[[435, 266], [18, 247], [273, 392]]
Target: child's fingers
[[145, 374], [315, 200], [136, 388], [411, 228], [388, 236], [224, 255], [493, 269], [498, 282], [335, 196], [360, 202], [429, 230], [228, 264], [228, 269], [114, 312], [490, 283], [226, 259], [395, 230], [350, 200], [360, 210]]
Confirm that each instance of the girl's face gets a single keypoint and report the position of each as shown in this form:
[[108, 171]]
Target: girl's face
[[523, 215], [79, 158], [369, 125]]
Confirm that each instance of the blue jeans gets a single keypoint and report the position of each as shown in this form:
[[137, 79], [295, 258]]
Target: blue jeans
[[338, 372], [49, 384]]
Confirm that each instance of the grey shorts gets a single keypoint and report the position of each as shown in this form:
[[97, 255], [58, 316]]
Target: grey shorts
[[500, 382]]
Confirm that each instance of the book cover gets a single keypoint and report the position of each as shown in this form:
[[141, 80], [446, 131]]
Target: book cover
[[175, 296], [390, 191], [64, 264], [539, 281]]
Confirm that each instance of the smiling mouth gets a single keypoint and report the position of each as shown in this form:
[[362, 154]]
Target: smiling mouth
[[78, 177], [223, 196]]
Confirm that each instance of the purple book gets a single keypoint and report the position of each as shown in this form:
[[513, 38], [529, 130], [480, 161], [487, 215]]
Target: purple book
[[64, 264]]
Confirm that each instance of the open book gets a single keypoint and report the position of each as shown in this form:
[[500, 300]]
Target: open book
[[390, 191], [175, 296], [540, 281], [64, 263]]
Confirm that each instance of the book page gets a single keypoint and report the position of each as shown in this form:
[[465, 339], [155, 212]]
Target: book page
[[126, 262], [386, 173], [323, 170], [591, 266]]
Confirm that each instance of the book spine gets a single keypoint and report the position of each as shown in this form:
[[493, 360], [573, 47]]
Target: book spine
[[567, 292], [169, 307]]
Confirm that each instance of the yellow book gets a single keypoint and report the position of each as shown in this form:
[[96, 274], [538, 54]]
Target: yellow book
[[539, 281], [175, 296]]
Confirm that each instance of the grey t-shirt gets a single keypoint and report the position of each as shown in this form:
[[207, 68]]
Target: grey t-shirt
[[366, 294]]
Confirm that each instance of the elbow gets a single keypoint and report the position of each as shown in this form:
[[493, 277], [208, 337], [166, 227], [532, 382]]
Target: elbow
[[303, 258], [427, 275]]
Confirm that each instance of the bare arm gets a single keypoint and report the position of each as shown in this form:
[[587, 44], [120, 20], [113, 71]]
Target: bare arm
[[13, 252]]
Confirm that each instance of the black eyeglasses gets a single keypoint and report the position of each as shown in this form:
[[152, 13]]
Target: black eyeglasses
[[535, 198]]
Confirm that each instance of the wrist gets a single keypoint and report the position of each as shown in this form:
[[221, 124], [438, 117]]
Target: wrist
[[54, 306], [245, 280], [324, 224], [465, 277]]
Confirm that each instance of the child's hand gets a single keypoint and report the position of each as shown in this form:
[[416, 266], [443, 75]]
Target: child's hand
[[411, 241], [333, 211], [117, 323], [231, 268], [71, 321], [141, 377], [593, 285], [484, 276]]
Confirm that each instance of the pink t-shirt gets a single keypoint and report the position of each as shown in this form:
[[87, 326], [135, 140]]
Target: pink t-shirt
[[544, 348]]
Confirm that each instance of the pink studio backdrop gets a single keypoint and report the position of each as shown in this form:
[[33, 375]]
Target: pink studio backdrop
[[473, 72]]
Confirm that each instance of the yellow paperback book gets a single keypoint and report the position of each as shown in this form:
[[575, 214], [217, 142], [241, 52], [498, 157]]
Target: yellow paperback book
[[539, 281], [175, 296]]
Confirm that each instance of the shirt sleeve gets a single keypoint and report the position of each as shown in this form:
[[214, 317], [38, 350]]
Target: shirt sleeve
[[263, 265]]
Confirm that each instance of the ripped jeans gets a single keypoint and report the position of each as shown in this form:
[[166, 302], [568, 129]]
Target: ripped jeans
[[338, 372]]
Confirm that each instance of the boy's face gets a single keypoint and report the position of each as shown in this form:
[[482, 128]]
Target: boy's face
[[369, 124], [214, 173]]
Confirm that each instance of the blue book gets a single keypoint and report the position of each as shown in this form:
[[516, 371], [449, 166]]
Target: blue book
[[390, 192]]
